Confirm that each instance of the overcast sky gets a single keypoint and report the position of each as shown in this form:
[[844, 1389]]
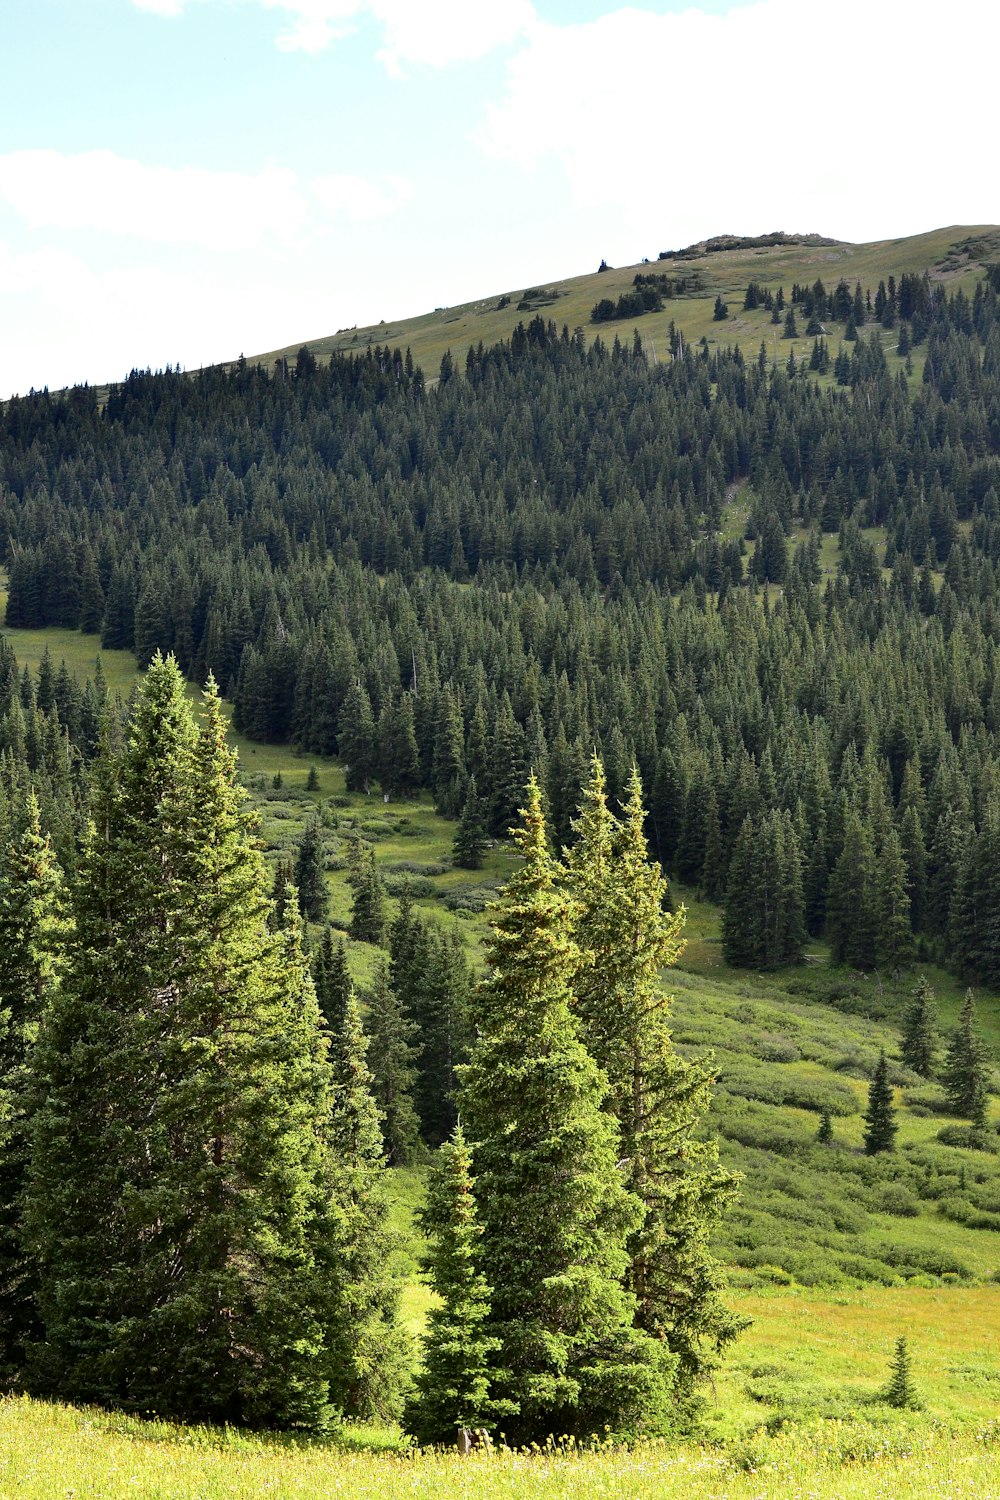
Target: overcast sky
[[183, 180]]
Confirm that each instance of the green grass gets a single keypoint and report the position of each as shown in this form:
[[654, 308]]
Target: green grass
[[456, 328], [50, 1452]]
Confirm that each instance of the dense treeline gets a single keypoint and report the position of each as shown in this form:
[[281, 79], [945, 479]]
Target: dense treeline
[[308, 538], [195, 1123]]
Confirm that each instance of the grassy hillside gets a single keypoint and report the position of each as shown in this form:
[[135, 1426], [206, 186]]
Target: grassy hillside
[[954, 255]]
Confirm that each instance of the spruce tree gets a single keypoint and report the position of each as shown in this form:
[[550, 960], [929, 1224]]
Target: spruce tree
[[179, 1195], [471, 841], [824, 1132], [965, 1076], [392, 1060], [880, 1116], [556, 1217], [310, 880], [368, 892], [657, 1098], [919, 1030], [894, 934], [32, 940], [367, 1352], [452, 1388], [900, 1390]]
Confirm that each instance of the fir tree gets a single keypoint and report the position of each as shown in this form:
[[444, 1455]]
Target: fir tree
[[900, 1390], [658, 1098], [178, 1203], [452, 1389], [368, 893], [367, 1353], [919, 1038], [471, 842], [894, 934], [965, 1075], [824, 1132], [392, 1060], [556, 1217], [32, 938], [880, 1116], [310, 880]]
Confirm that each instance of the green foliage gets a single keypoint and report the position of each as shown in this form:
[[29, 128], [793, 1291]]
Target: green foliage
[[310, 881], [32, 942], [899, 1390], [392, 1058], [178, 1197], [965, 1074], [880, 1116], [555, 1214], [452, 1389], [919, 1031]]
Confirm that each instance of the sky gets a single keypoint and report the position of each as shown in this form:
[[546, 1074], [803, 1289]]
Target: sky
[[185, 180]]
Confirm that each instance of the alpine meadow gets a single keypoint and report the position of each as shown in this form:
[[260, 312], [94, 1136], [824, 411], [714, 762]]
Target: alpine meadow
[[500, 897]]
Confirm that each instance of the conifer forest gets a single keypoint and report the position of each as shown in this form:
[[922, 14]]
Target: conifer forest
[[694, 663]]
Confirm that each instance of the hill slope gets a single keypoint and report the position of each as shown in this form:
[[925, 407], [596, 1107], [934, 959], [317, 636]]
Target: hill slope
[[955, 254]]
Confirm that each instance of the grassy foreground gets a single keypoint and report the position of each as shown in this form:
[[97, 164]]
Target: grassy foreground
[[54, 1452]]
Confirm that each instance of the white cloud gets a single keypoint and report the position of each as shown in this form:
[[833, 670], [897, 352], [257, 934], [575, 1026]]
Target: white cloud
[[343, 195], [168, 8], [429, 33], [859, 121], [438, 33], [98, 190]]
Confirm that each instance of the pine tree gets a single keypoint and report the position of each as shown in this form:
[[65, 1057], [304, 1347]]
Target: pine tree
[[368, 892], [965, 1075], [392, 1060], [900, 1390], [310, 880], [471, 842], [824, 1133], [452, 1389], [919, 1038], [367, 1357], [851, 912], [179, 1194], [894, 934], [880, 1116], [357, 739], [32, 939], [658, 1098], [555, 1214]]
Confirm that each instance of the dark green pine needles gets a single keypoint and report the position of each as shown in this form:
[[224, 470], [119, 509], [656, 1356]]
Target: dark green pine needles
[[555, 1213], [181, 1203]]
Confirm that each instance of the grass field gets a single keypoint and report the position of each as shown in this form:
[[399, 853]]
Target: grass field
[[54, 1453], [831, 1254], [456, 328]]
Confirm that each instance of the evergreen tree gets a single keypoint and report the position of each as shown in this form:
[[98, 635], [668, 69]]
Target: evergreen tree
[[900, 1390], [965, 1075], [919, 1031], [824, 1133], [368, 896], [310, 880], [555, 1214], [657, 1098], [367, 1358], [880, 1116], [178, 1203], [392, 1060], [471, 842], [32, 937], [357, 739], [894, 934], [452, 1389], [851, 912]]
